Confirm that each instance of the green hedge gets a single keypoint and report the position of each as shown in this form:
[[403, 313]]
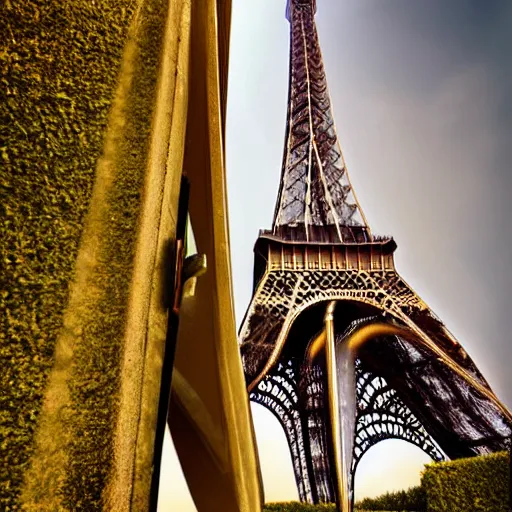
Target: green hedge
[[295, 506], [413, 499], [477, 484]]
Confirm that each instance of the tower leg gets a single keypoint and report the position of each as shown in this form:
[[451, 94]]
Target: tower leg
[[341, 392], [346, 383]]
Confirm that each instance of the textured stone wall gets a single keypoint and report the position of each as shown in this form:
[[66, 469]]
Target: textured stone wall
[[79, 85]]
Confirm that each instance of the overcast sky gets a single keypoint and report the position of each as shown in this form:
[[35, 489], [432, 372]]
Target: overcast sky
[[421, 93]]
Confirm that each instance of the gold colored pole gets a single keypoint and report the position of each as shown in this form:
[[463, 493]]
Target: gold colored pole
[[342, 497]]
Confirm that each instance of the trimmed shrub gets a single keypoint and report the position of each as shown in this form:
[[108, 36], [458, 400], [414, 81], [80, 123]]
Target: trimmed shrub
[[477, 484], [411, 500], [295, 506]]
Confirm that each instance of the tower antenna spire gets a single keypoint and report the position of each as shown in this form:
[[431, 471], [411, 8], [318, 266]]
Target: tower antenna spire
[[315, 196]]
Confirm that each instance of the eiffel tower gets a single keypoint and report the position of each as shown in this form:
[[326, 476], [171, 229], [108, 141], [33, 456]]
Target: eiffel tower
[[334, 342]]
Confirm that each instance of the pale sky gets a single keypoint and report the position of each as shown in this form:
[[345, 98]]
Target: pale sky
[[421, 96]]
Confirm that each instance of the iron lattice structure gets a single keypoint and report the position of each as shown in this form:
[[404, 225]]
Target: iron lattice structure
[[315, 196], [413, 380], [381, 415]]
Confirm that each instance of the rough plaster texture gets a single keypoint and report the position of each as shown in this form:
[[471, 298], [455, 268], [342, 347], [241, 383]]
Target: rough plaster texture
[[84, 151]]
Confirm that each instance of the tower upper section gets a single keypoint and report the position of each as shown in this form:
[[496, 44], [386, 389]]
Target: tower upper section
[[315, 201]]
